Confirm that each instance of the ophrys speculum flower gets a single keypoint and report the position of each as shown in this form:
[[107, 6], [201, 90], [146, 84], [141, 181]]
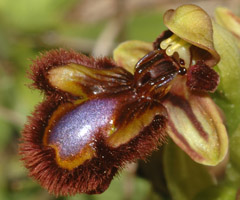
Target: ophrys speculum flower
[[195, 123], [98, 116], [95, 118]]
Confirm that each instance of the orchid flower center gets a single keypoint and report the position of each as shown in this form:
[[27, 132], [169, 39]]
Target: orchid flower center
[[175, 44]]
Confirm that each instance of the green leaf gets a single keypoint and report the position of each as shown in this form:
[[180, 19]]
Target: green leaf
[[234, 147], [185, 178], [138, 189], [230, 110], [6, 133], [234, 167], [229, 65], [145, 25], [225, 191], [31, 15]]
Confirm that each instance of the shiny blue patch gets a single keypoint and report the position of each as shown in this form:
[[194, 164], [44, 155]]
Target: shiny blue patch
[[78, 127]]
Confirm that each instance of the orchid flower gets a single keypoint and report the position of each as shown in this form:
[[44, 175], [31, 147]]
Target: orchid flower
[[99, 114], [195, 123]]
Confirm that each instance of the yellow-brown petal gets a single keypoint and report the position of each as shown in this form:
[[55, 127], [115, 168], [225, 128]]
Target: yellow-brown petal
[[148, 118], [196, 125], [192, 24], [83, 81], [128, 53]]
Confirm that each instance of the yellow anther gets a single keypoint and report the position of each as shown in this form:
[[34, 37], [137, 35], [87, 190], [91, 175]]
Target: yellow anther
[[173, 48], [165, 43], [176, 44]]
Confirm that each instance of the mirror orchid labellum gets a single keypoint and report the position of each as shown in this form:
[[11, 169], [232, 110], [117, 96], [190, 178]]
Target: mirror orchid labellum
[[97, 116]]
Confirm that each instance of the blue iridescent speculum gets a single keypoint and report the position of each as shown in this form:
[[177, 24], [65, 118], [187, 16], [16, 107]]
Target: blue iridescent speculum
[[74, 134], [125, 108], [97, 117], [76, 130]]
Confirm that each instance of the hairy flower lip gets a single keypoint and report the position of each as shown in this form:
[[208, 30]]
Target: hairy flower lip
[[180, 22], [52, 139], [94, 175]]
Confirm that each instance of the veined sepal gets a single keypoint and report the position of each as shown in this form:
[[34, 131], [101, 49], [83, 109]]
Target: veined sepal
[[196, 125], [192, 24]]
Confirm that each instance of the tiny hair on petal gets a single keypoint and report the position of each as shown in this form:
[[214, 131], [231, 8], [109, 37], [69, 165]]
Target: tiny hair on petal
[[94, 175], [55, 58]]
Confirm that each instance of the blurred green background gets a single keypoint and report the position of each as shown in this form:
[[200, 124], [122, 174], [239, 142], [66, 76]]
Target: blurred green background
[[93, 27]]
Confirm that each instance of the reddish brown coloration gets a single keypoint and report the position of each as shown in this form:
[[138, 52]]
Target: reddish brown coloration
[[135, 95], [183, 140], [95, 175], [181, 103], [160, 38], [56, 58], [202, 78], [154, 72]]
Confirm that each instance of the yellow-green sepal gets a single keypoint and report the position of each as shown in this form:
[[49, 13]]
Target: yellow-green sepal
[[229, 21], [196, 125], [128, 53], [192, 24]]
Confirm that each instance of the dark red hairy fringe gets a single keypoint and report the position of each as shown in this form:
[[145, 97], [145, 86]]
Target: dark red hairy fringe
[[55, 58], [201, 77], [95, 175]]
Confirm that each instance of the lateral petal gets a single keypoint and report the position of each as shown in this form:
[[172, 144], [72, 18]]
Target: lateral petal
[[196, 124], [83, 81], [66, 74], [136, 118]]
